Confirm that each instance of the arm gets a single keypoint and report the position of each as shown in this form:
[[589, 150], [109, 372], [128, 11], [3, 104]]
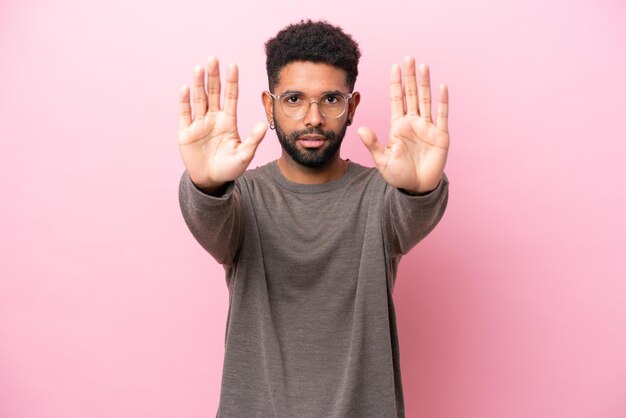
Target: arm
[[214, 157], [413, 160], [409, 218], [215, 222]]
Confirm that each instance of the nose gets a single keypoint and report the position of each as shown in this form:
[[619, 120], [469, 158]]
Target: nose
[[313, 116]]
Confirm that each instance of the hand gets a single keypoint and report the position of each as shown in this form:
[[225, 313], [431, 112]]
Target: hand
[[417, 149], [209, 143]]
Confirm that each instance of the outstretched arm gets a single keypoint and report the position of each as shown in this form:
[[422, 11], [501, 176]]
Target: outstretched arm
[[416, 152]]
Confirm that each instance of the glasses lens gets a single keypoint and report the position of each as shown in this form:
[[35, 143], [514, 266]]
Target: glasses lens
[[294, 105], [330, 105]]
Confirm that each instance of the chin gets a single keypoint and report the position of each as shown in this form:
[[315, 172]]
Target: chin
[[315, 158]]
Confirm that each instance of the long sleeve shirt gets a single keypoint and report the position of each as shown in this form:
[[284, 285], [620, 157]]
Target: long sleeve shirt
[[310, 270]]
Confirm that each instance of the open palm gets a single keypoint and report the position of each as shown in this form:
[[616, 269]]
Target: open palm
[[209, 143], [417, 149]]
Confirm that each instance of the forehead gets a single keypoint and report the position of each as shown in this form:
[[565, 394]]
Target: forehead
[[311, 77]]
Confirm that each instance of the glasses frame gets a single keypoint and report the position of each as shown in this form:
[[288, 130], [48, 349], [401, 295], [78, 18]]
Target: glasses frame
[[347, 98]]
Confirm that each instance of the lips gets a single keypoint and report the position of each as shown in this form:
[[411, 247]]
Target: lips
[[311, 141]]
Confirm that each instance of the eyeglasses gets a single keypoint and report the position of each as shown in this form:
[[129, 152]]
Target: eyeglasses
[[296, 105]]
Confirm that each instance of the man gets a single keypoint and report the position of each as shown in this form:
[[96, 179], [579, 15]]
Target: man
[[310, 243]]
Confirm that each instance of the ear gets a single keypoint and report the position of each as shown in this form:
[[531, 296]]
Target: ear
[[267, 102], [352, 105]]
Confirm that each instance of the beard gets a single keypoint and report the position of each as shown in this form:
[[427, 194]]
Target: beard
[[311, 157]]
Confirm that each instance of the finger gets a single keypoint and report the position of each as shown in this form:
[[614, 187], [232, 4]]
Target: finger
[[199, 95], [232, 90], [442, 109], [410, 86], [185, 108], [424, 92], [371, 143], [249, 146], [214, 87], [395, 93]]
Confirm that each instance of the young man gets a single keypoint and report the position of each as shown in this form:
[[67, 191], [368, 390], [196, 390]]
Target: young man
[[311, 242]]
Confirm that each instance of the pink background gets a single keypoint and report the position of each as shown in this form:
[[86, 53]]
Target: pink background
[[513, 307]]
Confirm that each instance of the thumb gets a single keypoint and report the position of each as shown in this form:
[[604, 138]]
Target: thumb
[[371, 142], [249, 146]]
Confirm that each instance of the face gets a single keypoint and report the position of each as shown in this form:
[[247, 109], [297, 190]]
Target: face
[[314, 140]]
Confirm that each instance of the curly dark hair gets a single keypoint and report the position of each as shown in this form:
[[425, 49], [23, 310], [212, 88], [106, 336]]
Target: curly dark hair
[[314, 42]]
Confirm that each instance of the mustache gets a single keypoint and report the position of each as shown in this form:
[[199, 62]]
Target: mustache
[[330, 135]]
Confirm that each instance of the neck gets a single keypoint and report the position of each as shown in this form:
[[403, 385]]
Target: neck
[[298, 173]]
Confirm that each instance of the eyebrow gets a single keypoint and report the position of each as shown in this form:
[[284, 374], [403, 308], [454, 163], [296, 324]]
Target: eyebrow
[[325, 92]]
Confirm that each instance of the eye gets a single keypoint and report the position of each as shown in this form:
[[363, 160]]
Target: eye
[[293, 99], [332, 99]]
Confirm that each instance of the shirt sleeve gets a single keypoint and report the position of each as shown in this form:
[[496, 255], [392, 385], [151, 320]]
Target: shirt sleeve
[[408, 219], [215, 222]]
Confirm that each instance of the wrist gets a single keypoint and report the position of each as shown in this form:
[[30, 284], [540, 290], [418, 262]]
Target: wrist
[[210, 188], [421, 192]]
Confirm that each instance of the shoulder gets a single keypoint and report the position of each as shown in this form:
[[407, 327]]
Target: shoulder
[[368, 176], [363, 171], [255, 180], [259, 173]]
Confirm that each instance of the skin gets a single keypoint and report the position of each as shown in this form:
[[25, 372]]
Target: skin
[[214, 154], [312, 79]]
